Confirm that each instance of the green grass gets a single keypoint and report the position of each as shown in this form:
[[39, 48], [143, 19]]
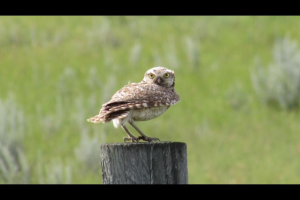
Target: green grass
[[46, 64]]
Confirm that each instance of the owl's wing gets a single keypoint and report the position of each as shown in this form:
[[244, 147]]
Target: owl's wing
[[151, 94], [133, 96]]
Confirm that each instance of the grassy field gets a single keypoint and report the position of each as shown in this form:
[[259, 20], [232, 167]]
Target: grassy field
[[55, 72]]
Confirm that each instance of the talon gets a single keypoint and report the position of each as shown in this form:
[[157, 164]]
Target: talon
[[148, 139], [140, 138], [126, 139]]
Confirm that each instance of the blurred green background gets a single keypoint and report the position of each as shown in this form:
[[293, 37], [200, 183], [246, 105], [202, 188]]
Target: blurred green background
[[57, 71]]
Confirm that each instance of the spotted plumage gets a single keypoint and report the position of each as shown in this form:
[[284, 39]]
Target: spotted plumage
[[140, 101]]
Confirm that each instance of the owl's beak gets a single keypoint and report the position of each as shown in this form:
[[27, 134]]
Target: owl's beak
[[158, 80]]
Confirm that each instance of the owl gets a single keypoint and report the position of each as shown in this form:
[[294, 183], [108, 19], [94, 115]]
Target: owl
[[141, 101]]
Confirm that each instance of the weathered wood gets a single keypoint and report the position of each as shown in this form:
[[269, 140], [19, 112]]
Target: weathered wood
[[144, 163]]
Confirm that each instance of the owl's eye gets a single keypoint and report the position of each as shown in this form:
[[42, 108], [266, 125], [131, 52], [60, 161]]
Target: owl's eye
[[166, 75], [151, 76]]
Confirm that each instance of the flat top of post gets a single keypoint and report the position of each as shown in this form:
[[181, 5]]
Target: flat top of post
[[143, 143]]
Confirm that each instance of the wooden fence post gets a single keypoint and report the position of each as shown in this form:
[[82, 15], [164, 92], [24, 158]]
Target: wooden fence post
[[144, 163]]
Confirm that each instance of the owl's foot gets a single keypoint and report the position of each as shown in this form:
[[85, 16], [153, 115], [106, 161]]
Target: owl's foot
[[148, 139], [143, 136], [130, 139]]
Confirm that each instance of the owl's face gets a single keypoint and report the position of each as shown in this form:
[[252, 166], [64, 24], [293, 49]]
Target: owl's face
[[160, 76]]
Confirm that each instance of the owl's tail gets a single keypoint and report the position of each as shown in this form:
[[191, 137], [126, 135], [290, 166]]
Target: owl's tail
[[95, 119], [106, 117]]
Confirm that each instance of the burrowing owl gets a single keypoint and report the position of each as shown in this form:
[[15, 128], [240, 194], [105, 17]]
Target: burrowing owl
[[140, 102]]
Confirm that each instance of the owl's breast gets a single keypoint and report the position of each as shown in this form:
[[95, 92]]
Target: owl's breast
[[144, 114]]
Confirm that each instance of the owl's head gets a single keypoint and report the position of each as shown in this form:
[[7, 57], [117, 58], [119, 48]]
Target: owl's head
[[160, 76]]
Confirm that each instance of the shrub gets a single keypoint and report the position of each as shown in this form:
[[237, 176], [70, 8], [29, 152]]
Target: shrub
[[279, 84], [13, 163]]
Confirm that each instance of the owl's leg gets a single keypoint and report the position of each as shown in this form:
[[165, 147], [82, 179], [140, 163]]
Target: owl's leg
[[143, 136], [131, 137]]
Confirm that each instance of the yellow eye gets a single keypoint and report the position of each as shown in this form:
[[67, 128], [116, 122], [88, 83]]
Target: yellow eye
[[166, 75], [151, 76]]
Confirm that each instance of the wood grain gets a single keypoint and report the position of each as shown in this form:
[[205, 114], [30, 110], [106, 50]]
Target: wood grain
[[144, 163]]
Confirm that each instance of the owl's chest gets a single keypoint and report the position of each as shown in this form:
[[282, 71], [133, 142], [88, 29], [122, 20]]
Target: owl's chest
[[144, 114]]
